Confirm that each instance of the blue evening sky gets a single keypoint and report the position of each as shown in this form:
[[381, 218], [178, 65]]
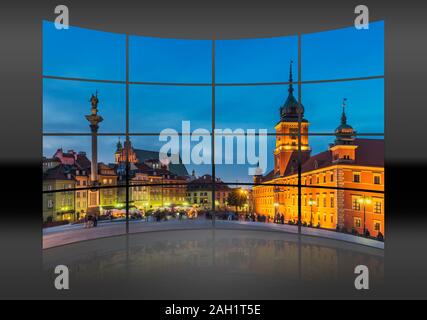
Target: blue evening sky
[[83, 53]]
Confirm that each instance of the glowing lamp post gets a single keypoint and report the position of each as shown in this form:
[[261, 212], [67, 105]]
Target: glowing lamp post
[[244, 193], [276, 206], [364, 200], [311, 203]]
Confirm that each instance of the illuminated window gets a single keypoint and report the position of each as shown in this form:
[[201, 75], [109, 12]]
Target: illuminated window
[[377, 226], [357, 222], [377, 206], [356, 203]]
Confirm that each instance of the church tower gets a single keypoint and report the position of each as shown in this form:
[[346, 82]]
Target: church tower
[[118, 153], [125, 152], [287, 132], [344, 148]]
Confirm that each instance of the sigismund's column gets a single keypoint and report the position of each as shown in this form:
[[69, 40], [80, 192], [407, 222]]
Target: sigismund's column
[[94, 120]]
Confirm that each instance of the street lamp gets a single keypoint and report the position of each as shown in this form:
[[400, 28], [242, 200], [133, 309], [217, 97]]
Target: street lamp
[[245, 193], [364, 200], [311, 203], [276, 206]]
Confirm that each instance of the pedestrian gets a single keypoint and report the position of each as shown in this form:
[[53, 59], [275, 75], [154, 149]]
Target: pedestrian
[[95, 221]]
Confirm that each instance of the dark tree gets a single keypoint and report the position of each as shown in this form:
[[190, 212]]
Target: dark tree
[[237, 198]]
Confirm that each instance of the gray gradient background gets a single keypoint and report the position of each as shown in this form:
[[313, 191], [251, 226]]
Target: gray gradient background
[[20, 100]]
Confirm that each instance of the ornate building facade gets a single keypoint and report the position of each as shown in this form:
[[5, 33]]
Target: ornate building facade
[[154, 183], [199, 193], [341, 188]]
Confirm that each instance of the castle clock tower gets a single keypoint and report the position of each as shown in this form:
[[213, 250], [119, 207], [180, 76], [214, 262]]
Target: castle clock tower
[[287, 132]]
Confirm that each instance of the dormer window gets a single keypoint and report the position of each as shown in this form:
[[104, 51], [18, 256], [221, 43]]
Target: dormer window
[[316, 164]]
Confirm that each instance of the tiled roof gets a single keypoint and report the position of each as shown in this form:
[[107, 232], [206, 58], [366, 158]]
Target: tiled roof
[[208, 181], [59, 172], [144, 168], [83, 162], [144, 155], [369, 152]]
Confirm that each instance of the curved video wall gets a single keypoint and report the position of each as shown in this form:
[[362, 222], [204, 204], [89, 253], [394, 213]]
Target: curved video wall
[[143, 133]]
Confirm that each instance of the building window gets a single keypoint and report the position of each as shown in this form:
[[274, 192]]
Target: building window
[[377, 226], [332, 177], [377, 179], [356, 204], [357, 222], [331, 200], [377, 207], [50, 203], [356, 177]]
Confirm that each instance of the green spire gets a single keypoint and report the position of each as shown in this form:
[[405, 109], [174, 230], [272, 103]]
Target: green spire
[[119, 146], [343, 116], [291, 89]]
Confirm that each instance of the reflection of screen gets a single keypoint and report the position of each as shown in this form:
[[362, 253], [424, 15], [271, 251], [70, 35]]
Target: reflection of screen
[[325, 168]]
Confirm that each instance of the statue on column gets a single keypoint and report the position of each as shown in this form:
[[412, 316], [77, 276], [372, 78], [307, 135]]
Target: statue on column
[[94, 119], [94, 103]]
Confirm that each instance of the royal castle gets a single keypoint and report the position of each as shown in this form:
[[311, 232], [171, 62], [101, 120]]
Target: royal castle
[[341, 187]]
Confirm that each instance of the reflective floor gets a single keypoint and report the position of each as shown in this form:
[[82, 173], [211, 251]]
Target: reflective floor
[[215, 264]]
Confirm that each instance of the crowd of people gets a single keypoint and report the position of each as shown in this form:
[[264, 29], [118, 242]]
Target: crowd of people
[[90, 221]]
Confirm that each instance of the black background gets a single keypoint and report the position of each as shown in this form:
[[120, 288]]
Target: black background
[[21, 101]]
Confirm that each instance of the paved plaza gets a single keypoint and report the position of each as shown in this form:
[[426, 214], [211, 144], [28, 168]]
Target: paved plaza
[[62, 235]]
